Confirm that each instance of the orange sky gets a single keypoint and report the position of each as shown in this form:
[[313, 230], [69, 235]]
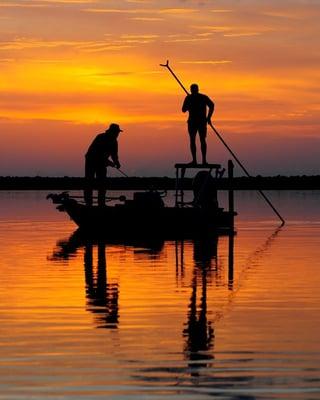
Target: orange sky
[[70, 67]]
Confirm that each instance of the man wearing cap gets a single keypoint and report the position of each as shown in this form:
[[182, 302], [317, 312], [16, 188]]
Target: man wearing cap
[[97, 160], [197, 104]]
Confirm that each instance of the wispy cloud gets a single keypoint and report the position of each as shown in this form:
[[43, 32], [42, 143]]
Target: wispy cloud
[[21, 5], [210, 62], [116, 73], [139, 1], [123, 73], [142, 36], [146, 19], [6, 60], [115, 11], [100, 47], [214, 28], [71, 1], [43, 3], [191, 39], [204, 34], [176, 38], [26, 43], [178, 11], [86, 46], [241, 34], [281, 14], [147, 11], [233, 31], [221, 11]]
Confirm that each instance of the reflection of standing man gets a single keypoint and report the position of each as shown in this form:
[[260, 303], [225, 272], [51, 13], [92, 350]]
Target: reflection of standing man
[[197, 103], [105, 145]]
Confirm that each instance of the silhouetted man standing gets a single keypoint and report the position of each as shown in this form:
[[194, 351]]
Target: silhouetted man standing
[[197, 103], [105, 145]]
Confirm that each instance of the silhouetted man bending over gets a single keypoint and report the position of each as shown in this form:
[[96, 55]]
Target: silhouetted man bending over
[[105, 145], [197, 103]]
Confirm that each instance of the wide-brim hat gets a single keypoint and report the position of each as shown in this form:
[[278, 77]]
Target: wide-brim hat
[[115, 128]]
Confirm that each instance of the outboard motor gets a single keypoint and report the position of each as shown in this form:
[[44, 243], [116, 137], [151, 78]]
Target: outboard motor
[[205, 190]]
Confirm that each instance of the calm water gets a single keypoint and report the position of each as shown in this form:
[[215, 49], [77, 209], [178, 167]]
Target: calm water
[[160, 320]]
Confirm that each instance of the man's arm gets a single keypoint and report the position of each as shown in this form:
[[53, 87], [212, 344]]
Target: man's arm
[[185, 106], [114, 155], [210, 105]]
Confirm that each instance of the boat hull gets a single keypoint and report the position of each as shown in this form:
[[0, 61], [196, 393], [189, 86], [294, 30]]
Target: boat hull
[[166, 222]]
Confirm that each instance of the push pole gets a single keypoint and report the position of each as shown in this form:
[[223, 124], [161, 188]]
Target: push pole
[[166, 65]]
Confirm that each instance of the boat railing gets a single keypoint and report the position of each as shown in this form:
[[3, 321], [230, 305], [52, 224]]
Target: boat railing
[[181, 169]]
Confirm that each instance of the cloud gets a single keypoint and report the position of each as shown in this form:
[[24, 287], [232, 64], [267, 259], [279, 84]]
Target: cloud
[[213, 28], [139, 1], [242, 34], [142, 36], [104, 47], [209, 62], [44, 3], [86, 46], [177, 11], [115, 11], [21, 5], [204, 34], [117, 73], [147, 19], [26, 43], [181, 40], [221, 11], [234, 31], [6, 60], [70, 1]]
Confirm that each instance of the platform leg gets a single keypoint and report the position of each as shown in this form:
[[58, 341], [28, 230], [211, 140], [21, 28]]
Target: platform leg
[[231, 193]]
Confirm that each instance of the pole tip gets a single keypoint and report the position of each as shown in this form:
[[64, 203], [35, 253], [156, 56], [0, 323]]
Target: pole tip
[[165, 65]]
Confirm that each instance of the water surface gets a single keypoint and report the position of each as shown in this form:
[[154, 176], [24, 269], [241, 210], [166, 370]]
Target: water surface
[[222, 318]]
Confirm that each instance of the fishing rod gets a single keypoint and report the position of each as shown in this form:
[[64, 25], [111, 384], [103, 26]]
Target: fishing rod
[[122, 173], [166, 65]]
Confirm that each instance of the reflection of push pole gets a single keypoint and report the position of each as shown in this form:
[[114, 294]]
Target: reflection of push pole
[[225, 144]]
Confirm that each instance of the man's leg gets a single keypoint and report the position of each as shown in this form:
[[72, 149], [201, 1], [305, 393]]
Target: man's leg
[[101, 177], [203, 141], [192, 129], [89, 175]]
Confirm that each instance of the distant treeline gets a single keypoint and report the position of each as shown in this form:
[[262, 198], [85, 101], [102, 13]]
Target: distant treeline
[[141, 183]]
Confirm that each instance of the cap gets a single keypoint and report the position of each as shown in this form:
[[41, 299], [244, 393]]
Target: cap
[[115, 128]]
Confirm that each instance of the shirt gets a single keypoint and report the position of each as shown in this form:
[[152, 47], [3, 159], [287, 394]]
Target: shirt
[[197, 105], [102, 147]]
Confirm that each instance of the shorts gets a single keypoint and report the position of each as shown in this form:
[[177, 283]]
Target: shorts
[[194, 127]]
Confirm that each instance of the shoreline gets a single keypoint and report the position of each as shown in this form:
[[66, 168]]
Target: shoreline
[[161, 183]]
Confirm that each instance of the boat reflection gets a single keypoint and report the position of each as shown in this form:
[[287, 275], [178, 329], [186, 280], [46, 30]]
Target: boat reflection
[[68, 248], [102, 294], [199, 268]]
